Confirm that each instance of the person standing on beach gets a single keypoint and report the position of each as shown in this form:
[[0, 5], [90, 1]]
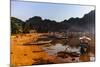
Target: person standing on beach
[[84, 48]]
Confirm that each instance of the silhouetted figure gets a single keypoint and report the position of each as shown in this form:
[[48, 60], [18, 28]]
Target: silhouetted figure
[[83, 48]]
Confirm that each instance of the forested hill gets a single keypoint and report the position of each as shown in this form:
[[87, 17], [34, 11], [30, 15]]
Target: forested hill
[[84, 24]]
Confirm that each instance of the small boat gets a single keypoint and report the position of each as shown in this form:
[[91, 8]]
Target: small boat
[[57, 37], [40, 42], [62, 37], [50, 48]]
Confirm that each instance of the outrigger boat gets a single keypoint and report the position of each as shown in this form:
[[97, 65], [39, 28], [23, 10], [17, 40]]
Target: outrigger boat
[[39, 42]]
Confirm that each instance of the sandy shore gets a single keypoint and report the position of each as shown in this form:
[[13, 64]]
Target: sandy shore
[[26, 55]]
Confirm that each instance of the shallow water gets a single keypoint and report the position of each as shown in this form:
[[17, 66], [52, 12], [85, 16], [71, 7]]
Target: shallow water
[[54, 49], [61, 45]]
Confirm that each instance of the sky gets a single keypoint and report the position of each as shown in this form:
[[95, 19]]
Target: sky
[[58, 12]]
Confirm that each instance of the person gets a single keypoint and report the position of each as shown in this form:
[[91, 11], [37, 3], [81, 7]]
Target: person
[[84, 48], [84, 41]]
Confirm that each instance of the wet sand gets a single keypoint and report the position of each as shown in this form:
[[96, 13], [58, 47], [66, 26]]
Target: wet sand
[[27, 55], [22, 55]]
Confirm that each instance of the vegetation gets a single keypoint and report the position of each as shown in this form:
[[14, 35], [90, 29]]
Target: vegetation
[[16, 25], [83, 24]]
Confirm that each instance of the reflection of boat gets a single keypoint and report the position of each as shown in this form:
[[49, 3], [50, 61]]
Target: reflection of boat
[[61, 37], [40, 42], [66, 54]]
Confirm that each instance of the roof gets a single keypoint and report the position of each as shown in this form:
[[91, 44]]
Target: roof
[[85, 37]]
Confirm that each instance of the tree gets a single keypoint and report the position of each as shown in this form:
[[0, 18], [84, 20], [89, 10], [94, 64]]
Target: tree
[[16, 25], [84, 24]]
